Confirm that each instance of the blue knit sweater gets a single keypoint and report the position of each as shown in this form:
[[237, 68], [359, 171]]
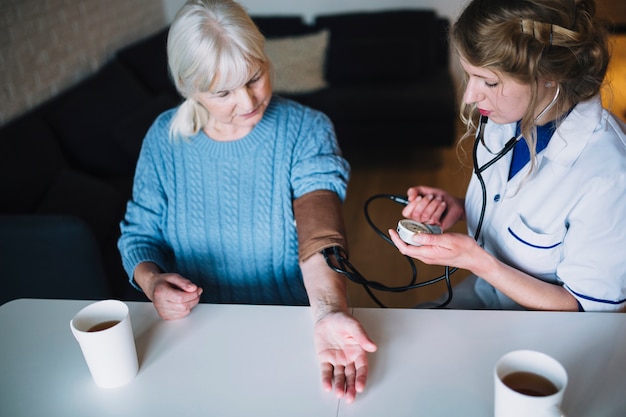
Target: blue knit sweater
[[220, 213]]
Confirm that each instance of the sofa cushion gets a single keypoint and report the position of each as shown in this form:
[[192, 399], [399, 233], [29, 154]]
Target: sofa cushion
[[82, 119], [30, 160], [379, 46], [298, 62]]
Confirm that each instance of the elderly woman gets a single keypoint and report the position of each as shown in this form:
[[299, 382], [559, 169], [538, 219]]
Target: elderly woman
[[237, 192]]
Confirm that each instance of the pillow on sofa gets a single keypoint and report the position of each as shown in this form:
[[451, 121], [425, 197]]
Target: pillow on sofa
[[380, 46], [298, 62]]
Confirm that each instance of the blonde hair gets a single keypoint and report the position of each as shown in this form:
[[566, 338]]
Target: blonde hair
[[211, 46], [530, 41]]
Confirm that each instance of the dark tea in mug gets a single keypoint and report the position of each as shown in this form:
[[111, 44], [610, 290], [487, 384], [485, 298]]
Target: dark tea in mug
[[103, 326], [529, 383]]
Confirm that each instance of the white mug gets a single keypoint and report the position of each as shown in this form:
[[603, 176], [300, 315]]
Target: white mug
[[529, 383], [104, 333]]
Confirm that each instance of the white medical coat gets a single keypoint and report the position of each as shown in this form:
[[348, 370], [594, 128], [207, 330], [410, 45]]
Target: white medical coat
[[566, 223]]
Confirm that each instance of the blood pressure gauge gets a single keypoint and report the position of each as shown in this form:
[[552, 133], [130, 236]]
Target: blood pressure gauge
[[407, 228]]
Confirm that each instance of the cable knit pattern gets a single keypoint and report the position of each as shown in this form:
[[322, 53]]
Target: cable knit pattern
[[220, 213]]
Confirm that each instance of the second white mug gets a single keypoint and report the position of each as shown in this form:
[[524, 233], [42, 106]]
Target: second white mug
[[529, 383]]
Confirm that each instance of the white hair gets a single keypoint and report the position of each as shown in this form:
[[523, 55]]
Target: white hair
[[212, 45]]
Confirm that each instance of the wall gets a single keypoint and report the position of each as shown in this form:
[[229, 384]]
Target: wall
[[47, 46], [310, 8], [614, 11]]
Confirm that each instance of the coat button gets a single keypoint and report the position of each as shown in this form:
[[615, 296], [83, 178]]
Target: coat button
[[496, 198]]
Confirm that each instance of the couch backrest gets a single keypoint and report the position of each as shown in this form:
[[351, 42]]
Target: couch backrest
[[147, 60], [281, 26], [372, 47], [392, 46]]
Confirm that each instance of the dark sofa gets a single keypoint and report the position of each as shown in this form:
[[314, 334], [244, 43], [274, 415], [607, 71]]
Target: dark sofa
[[72, 159], [389, 84]]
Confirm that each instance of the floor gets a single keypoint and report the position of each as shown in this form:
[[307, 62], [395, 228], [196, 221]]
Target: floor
[[376, 259]]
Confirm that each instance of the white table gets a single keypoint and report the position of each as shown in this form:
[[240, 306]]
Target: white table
[[226, 360], [440, 362], [221, 360]]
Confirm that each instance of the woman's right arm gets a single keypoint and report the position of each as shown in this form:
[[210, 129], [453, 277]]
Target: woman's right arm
[[142, 238]]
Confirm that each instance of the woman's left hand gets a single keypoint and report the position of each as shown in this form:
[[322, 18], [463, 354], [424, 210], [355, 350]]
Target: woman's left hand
[[342, 345], [451, 249]]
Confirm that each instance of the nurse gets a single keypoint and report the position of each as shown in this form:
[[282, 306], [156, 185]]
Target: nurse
[[546, 231]]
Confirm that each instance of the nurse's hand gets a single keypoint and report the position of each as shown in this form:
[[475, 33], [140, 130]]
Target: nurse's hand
[[433, 206], [452, 249]]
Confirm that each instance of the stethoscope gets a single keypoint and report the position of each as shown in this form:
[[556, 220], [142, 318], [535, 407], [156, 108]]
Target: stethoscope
[[508, 146], [337, 259]]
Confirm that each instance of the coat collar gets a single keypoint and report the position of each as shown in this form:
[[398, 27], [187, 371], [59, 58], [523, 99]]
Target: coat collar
[[568, 141], [574, 132]]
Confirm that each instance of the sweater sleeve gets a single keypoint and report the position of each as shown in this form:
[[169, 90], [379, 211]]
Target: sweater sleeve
[[319, 164], [141, 237]]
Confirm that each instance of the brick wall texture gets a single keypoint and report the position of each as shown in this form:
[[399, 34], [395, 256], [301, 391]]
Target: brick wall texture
[[47, 46]]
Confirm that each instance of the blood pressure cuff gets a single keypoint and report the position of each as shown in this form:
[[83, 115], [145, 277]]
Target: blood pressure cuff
[[319, 221]]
